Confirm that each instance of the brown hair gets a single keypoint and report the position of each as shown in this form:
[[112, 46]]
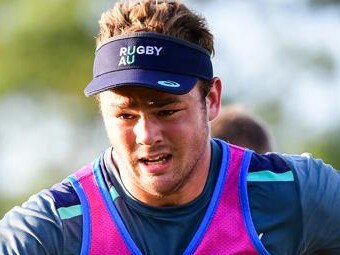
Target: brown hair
[[239, 127], [171, 18], [167, 17]]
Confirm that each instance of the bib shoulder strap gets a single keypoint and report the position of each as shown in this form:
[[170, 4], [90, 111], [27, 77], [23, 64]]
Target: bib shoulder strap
[[100, 233]]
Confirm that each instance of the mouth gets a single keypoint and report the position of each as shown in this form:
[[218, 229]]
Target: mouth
[[155, 160]]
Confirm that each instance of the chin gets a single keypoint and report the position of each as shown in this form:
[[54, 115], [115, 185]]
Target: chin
[[163, 189]]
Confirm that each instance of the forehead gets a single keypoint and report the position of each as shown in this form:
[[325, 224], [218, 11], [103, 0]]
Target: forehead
[[134, 96]]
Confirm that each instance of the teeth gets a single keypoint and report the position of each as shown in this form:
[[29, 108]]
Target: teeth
[[157, 160]]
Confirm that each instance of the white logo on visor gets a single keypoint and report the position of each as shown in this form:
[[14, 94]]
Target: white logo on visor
[[172, 84]]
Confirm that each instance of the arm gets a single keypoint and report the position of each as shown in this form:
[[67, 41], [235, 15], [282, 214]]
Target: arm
[[33, 228], [319, 186]]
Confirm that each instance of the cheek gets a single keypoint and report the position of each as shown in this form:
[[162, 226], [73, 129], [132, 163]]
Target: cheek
[[113, 130], [120, 137], [192, 121]]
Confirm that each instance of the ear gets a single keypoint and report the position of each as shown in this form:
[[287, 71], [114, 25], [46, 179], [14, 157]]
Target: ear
[[213, 99]]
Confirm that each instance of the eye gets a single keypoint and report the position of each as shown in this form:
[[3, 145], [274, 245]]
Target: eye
[[125, 116], [165, 113]]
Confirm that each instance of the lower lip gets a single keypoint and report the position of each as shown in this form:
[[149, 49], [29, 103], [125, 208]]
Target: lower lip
[[156, 168]]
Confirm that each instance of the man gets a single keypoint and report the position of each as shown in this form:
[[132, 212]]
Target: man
[[164, 187], [237, 126]]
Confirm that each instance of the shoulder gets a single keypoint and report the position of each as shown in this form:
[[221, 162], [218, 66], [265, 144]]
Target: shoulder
[[304, 167], [312, 177], [45, 222], [308, 168], [63, 194], [274, 202], [33, 227], [312, 188], [319, 186], [270, 167], [271, 182], [65, 199], [318, 182]]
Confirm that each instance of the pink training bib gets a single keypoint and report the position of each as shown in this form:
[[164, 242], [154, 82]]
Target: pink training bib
[[227, 233], [222, 231]]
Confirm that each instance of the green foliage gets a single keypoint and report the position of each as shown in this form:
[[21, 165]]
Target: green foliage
[[45, 44], [324, 2], [7, 203], [326, 147], [271, 111], [316, 60]]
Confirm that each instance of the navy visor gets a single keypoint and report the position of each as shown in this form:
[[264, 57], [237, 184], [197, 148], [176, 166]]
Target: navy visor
[[151, 60]]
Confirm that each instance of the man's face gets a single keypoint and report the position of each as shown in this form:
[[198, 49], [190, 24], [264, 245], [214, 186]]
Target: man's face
[[160, 141]]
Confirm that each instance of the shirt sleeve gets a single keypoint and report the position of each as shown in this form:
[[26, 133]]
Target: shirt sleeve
[[33, 228], [319, 187]]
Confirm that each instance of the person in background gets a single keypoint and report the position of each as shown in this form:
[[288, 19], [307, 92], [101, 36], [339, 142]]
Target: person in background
[[238, 126], [164, 186]]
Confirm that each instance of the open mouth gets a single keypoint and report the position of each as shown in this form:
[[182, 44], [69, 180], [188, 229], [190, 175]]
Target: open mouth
[[160, 159]]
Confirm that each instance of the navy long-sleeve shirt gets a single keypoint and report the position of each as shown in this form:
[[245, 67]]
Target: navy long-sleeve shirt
[[294, 203]]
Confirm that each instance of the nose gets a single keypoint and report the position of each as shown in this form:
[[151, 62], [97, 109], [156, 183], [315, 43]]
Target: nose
[[147, 131]]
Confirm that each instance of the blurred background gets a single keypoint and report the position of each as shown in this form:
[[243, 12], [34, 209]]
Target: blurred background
[[279, 58]]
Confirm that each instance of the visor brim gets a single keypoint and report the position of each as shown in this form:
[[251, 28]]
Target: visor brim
[[166, 82]]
